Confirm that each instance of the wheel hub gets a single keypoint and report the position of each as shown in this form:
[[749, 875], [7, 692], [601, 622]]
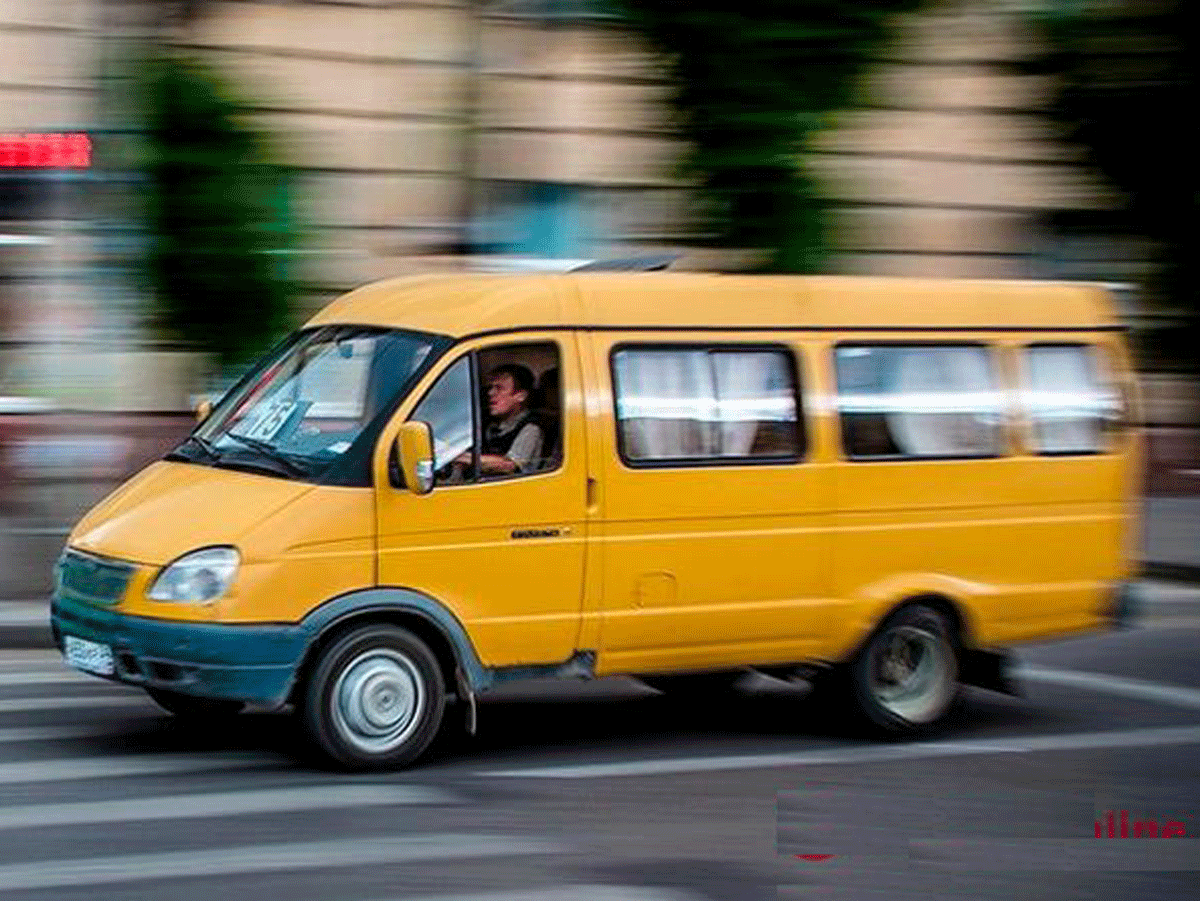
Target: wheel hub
[[914, 674], [378, 699]]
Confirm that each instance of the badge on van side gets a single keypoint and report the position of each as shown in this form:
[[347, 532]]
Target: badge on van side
[[539, 533]]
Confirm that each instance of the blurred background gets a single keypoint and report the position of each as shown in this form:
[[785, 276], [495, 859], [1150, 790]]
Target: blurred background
[[183, 182]]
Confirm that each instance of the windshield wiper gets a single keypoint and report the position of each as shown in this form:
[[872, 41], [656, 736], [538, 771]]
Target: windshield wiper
[[203, 443], [294, 466]]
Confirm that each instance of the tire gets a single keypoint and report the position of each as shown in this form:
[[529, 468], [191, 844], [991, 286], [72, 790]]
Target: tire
[[374, 699], [192, 707], [905, 679], [695, 684]]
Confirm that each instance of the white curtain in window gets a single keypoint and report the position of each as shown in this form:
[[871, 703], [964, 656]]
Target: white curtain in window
[[944, 402], [751, 389], [1066, 401], [666, 402]]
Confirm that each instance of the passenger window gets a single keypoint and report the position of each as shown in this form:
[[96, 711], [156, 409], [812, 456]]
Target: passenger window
[[706, 404], [906, 401], [1067, 398]]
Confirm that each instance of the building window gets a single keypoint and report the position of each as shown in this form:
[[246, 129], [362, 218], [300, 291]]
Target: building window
[[906, 401], [539, 219]]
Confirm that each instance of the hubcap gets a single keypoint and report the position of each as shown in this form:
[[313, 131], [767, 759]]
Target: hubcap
[[913, 674], [378, 700]]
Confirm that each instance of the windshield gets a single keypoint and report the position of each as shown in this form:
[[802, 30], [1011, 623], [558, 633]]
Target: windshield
[[304, 407]]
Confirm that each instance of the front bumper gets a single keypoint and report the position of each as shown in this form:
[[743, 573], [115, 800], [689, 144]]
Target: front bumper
[[252, 663]]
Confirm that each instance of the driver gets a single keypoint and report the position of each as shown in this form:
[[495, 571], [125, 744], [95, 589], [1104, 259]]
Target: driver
[[512, 441]]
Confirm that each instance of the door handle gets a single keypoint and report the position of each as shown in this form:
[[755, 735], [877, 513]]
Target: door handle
[[591, 493]]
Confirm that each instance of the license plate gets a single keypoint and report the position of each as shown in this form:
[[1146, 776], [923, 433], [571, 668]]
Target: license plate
[[89, 656]]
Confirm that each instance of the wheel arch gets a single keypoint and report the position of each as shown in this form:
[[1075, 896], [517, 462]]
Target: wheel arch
[[427, 618], [955, 609]]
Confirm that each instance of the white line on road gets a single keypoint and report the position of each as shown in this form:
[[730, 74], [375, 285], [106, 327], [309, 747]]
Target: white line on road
[[33, 665], [92, 701], [571, 893], [1174, 695], [219, 804], [1140, 689], [881, 754], [62, 677], [127, 765], [289, 858], [58, 733], [1049, 855]]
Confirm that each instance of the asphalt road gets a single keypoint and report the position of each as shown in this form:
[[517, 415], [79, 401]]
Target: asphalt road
[[606, 791]]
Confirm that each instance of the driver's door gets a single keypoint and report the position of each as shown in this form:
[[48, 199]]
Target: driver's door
[[505, 554]]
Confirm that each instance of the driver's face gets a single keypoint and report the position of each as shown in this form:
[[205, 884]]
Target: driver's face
[[503, 396]]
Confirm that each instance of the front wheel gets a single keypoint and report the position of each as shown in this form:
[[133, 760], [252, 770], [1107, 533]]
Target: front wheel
[[375, 698], [192, 707], [906, 678]]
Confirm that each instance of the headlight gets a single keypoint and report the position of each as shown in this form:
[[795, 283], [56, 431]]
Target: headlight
[[202, 575]]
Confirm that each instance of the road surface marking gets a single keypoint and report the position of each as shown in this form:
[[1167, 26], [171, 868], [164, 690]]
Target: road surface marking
[[1139, 689], [107, 731], [93, 701], [1174, 695], [62, 677], [102, 767], [571, 893], [288, 858], [880, 754], [219, 804]]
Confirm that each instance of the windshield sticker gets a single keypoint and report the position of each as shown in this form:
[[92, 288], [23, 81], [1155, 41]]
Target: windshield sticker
[[271, 421]]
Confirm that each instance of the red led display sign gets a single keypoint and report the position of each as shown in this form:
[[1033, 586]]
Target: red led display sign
[[45, 151]]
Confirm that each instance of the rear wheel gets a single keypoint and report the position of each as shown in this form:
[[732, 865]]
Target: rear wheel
[[906, 678], [374, 699], [192, 707]]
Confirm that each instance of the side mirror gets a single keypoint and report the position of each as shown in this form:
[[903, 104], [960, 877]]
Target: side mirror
[[203, 410], [414, 448]]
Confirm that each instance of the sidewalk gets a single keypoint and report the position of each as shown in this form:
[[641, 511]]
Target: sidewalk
[[1171, 538]]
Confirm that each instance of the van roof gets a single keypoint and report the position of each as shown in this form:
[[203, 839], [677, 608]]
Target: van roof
[[462, 305]]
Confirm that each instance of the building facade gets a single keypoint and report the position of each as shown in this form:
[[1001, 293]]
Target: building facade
[[430, 128]]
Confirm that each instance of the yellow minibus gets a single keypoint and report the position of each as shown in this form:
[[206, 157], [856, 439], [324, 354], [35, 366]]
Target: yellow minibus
[[441, 484]]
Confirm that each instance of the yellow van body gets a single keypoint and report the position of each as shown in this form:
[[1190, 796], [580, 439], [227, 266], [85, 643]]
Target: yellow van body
[[603, 566]]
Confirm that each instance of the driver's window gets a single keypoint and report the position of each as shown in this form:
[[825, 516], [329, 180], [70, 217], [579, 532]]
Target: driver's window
[[447, 409]]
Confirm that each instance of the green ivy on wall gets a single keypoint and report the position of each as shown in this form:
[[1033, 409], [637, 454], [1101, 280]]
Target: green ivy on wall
[[216, 212], [1124, 77], [752, 84]]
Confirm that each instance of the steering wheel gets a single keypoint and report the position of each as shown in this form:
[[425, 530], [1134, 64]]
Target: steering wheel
[[451, 469]]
